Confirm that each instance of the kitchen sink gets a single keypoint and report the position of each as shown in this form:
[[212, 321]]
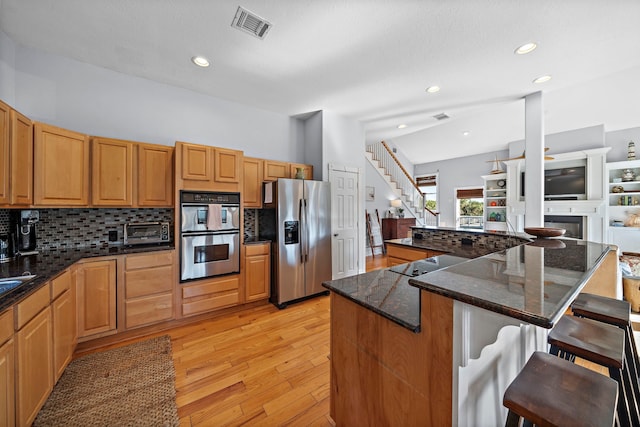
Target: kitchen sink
[[9, 283]]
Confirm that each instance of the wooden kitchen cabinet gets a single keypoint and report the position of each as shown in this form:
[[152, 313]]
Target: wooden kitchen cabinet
[[308, 170], [155, 175], [252, 182], [34, 359], [111, 172], [257, 271], [16, 148], [61, 167], [148, 288], [7, 369], [96, 298], [210, 294], [397, 254], [65, 331], [226, 165], [274, 169], [196, 162]]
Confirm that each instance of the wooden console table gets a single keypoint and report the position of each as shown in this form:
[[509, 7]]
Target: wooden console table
[[397, 228]]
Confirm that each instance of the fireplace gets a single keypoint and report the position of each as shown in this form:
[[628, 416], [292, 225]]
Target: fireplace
[[573, 224]]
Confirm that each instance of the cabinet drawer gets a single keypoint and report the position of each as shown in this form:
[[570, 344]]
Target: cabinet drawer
[[6, 325], [211, 303], [146, 310], [60, 284], [155, 259], [27, 309], [148, 281], [220, 285], [257, 249], [406, 253]]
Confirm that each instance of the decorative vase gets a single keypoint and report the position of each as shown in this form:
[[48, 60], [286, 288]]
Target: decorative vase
[[631, 151], [628, 175], [299, 173]]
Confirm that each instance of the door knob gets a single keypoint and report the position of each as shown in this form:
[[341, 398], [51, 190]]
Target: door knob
[[335, 235]]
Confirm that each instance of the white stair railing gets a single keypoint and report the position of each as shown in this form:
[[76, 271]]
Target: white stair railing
[[412, 198]]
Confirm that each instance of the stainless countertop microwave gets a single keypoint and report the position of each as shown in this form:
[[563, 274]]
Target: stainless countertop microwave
[[145, 233]]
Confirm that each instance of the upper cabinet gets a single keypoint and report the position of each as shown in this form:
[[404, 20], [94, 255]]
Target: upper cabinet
[[16, 147], [252, 182], [274, 169], [307, 170], [155, 175], [112, 172], [201, 167], [61, 167]]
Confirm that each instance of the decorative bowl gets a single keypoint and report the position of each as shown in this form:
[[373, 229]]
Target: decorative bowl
[[545, 232]]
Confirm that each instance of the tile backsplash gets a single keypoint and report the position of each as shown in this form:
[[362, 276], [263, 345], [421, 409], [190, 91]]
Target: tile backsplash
[[86, 227]]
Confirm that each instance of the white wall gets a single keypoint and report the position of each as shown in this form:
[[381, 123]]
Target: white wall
[[383, 192], [619, 143], [457, 173], [7, 67], [566, 142], [313, 143], [98, 101]]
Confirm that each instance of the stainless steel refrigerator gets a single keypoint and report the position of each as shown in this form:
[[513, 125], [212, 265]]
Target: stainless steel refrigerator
[[301, 234]]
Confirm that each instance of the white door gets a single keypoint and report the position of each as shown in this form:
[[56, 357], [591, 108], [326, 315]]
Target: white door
[[344, 221]]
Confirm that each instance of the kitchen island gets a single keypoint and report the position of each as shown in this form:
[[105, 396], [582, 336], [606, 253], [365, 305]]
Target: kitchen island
[[444, 353]]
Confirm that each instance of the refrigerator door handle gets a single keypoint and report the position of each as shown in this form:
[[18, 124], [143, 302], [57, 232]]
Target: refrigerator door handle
[[306, 231], [301, 231]]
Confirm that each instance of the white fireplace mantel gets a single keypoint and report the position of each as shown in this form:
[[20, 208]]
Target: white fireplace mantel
[[592, 208]]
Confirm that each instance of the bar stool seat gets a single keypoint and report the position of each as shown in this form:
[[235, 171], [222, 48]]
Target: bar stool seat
[[550, 391], [599, 343]]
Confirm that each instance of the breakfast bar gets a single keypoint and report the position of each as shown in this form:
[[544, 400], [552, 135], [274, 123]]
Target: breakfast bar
[[441, 347]]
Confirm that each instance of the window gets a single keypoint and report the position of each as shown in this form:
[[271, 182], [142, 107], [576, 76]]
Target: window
[[428, 184], [470, 208]]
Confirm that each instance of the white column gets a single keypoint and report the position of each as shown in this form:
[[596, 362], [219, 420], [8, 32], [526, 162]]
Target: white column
[[534, 160]]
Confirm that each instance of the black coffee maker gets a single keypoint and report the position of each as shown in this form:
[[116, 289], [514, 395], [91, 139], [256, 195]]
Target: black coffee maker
[[25, 223]]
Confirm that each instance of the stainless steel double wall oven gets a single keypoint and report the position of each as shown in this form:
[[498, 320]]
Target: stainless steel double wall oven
[[209, 234]]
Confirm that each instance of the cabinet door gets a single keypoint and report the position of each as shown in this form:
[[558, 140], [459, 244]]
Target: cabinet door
[[307, 170], [96, 297], [274, 170], [196, 162], [252, 183], [111, 172], [64, 331], [227, 165], [21, 159], [257, 280], [35, 367], [155, 175], [5, 113], [61, 167], [7, 384]]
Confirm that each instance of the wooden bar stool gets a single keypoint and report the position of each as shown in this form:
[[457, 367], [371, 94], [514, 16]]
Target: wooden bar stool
[[599, 343], [614, 312], [550, 391]]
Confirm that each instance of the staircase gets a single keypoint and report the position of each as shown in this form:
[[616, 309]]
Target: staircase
[[387, 164]]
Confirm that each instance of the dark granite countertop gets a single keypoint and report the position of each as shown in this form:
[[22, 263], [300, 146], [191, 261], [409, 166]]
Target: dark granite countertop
[[385, 292], [48, 264], [554, 272]]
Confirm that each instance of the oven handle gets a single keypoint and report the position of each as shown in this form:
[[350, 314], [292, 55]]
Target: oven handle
[[209, 233]]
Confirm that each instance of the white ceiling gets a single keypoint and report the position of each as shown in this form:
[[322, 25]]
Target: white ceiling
[[370, 60]]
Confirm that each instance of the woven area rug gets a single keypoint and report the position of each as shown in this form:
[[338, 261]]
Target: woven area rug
[[127, 386]]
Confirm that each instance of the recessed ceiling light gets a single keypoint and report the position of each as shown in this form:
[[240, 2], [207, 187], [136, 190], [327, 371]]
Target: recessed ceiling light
[[466, 133], [200, 61], [402, 126], [526, 48], [433, 89], [542, 79]]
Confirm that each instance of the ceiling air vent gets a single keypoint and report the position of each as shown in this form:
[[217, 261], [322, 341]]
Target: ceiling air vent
[[250, 23], [440, 116]]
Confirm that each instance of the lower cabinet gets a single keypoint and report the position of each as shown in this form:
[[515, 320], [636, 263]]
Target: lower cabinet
[[402, 254], [34, 366], [96, 298], [7, 369], [148, 288], [65, 331], [210, 294], [257, 271]]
